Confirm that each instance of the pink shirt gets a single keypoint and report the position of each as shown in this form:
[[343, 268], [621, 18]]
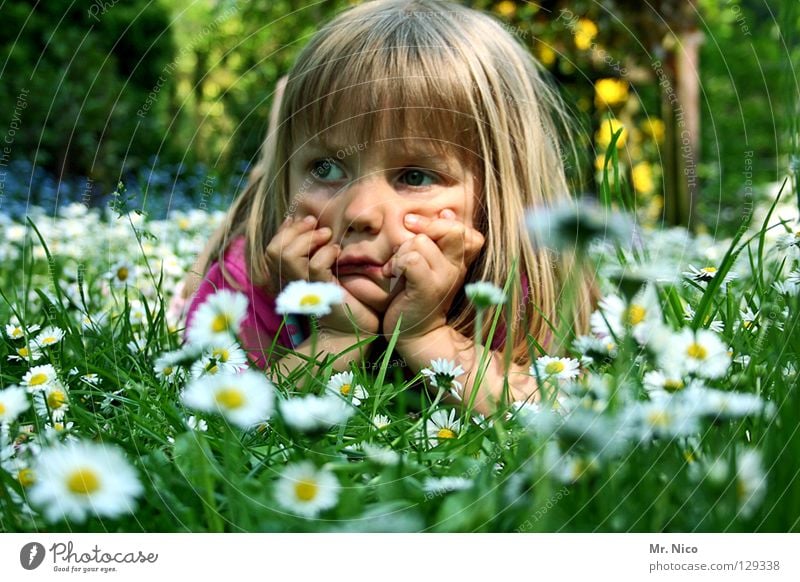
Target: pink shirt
[[262, 322]]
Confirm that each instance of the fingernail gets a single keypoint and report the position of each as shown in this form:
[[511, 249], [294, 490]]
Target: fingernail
[[310, 219], [447, 213], [412, 219], [324, 230]]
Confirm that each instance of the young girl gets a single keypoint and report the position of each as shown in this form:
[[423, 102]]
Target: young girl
[[409, 141]]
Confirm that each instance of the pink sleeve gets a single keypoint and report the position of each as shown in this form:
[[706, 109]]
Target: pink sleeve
[[262, 322]]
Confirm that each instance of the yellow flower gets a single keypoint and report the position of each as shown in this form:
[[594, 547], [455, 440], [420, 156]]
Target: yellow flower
[[585, 31], [642, 178], [610, 92], [506, 8], [609, 127], [545, 54], [654, 127]]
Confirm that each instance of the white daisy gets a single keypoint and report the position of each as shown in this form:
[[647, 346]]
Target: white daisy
[[704, 275], [306, 490], [198, 424], [13, 402], [343, 384], [380, 455], [137, 345], [723, 403], [308, 298], [49, 336], [315, 413], [570, 225], [381, 421], [168, 366], [484, 294], [663, 417], [701, 353], [751, 481], [218, 319], [594, 349], [14, 332], [78, 479], [224, 358], [441, 427], [747, 319], [443, 374], [53, 401], [559, 368], [541, 420], [27, 353], [434, 486], [642, 316], [244, 399], [39, 377], [789, 241], [786, 288], [662, 382], [714, 325], [91, 378], [122, 274]]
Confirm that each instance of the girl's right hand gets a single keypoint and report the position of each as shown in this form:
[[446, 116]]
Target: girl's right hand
[[297, 252]]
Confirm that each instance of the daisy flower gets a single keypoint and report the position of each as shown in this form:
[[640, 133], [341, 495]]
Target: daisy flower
[[559, 368], [441, 485], [661, 418], [122, 274], [484, 294], [714, 325], [789, 241], [751, 482], [91, 378], [224, 358], [704, 275], [49, 336], [13, 402], [570, 225], [53, 401], [722, 403], [39, 377], [315, 413], [658, 382], [244, 399], [701, 353], [343, 384], [531, 415], [308, 298], [642, 315], [381, 421], [443, 374], [218, 319], [592, 348], [27, 353], [198, 424], [14, 332], [306, 490], [441, 427], [78, 479], [168, 366], [380, 455]]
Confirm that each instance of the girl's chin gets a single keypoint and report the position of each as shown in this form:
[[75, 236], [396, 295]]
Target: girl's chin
[[366, 290]]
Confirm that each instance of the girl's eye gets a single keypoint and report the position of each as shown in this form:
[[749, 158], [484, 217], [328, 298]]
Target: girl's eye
[[415, 177], [327, 170]]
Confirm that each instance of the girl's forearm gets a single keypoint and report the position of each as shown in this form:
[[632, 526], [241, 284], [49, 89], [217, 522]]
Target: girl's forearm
[[447, 343]]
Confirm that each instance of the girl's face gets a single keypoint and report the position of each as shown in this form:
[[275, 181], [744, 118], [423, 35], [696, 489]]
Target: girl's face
[[364, 192]]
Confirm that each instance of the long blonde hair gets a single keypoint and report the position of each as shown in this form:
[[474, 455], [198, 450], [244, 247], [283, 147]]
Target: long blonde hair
[[457, 78]]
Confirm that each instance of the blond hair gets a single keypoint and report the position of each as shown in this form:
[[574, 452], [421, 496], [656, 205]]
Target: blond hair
[[452, 76]]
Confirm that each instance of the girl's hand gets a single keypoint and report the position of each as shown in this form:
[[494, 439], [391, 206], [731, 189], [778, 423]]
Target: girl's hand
[[433, 265], [297, 252]]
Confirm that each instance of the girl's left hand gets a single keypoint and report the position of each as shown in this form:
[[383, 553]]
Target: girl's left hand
[[433, 265]]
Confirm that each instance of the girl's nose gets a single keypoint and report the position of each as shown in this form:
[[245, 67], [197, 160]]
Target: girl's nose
[[364, 206]]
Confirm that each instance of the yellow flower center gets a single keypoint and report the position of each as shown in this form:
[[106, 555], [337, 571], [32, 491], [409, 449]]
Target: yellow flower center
[[689, 456], [635, 314], [59, 426], [167, 371], [747, 323], [221, 354], [658, 418], [709, 270], [554, 367], [345, 389], [37, 379], [696, 351], [306, 490], [310, 300], [672, 385], [2, 409], [49, 340], [26, 477], [56, 399], [230, 398], [83, 481], [122, 273], [212, 368], [445, 433], [221, 323], [17, 333]]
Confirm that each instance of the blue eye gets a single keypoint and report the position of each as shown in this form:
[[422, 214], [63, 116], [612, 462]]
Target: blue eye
[[327, 170], [416, 177]]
